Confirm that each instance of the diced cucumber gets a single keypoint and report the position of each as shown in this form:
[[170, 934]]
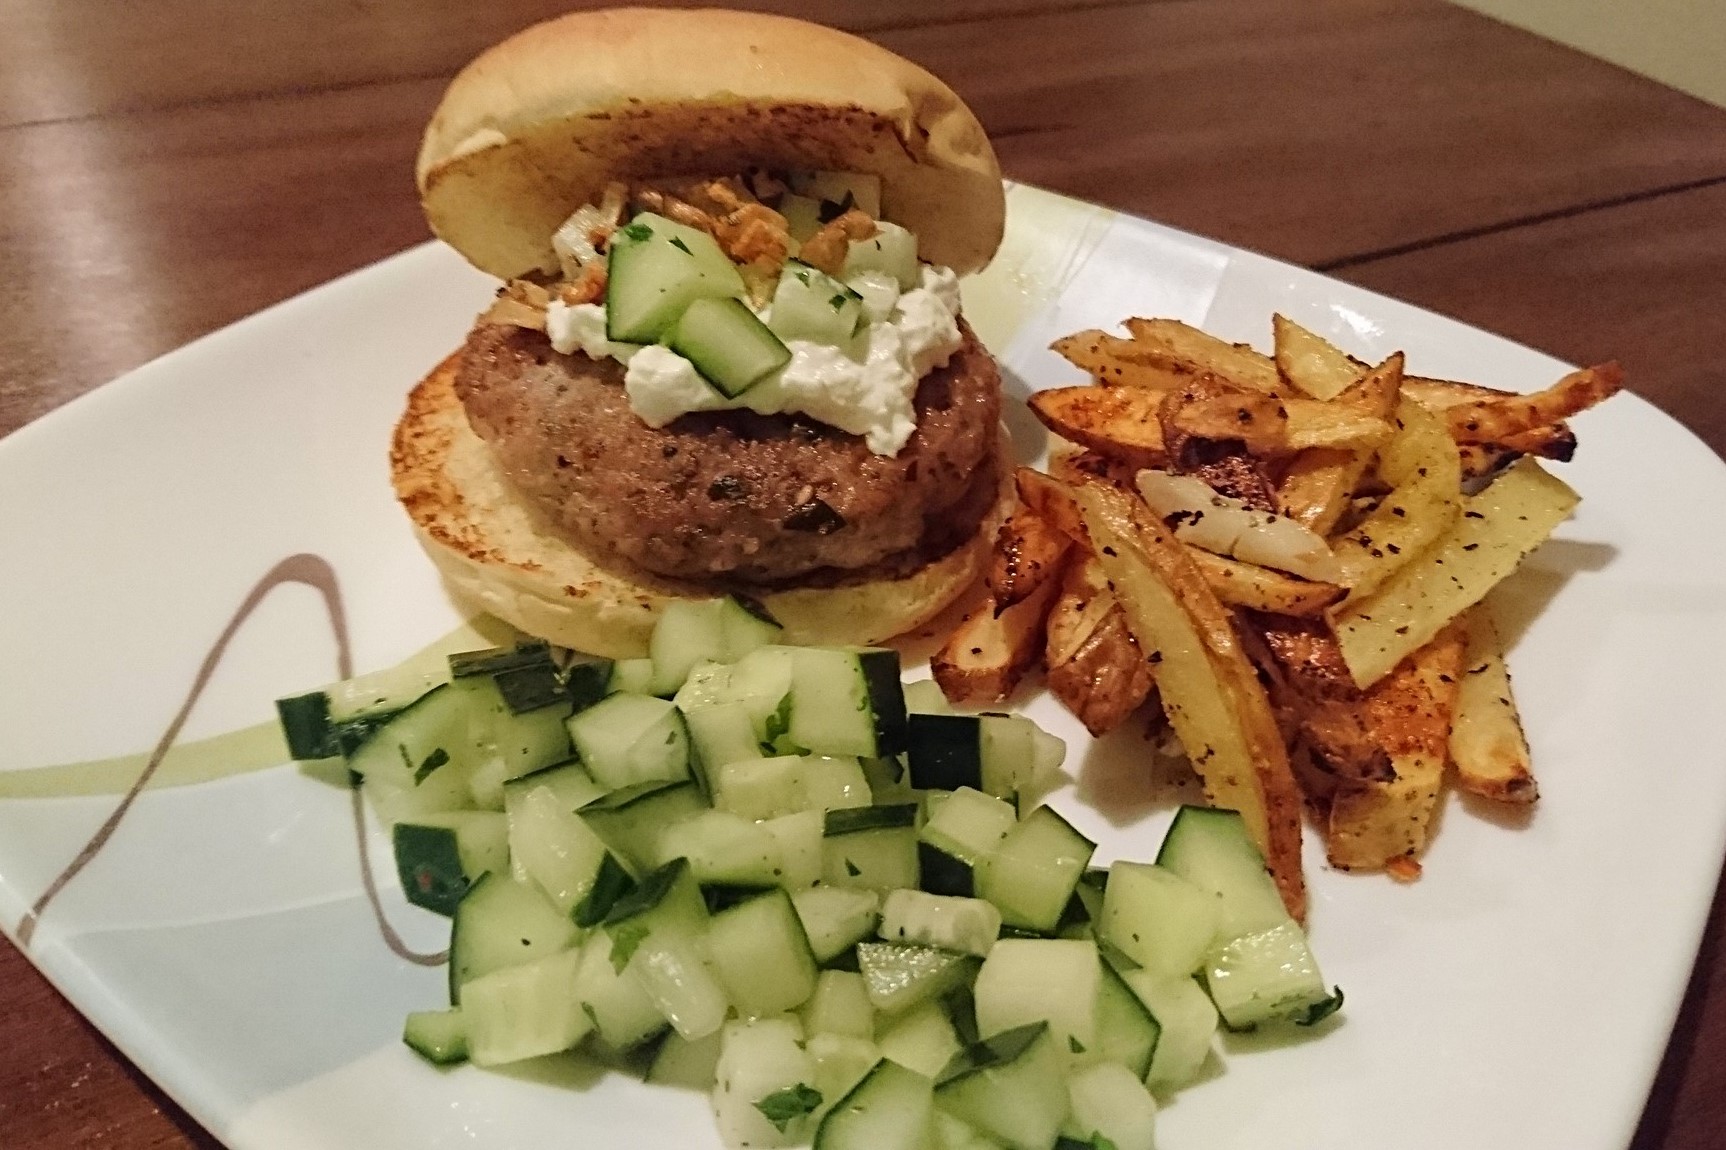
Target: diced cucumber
[[889, 781], [968, 825], [1051, 980], [525, 676], [1108, 1100], [921, 1039], [720, 733], [728, 344], [834, 783], [809, 304], [848, 701], [635, 677], [419, 760], [836, 918], [524, 1011], [763, 1093], [1012, 1087], [840, 1005], [799, 837], [925, 697], [841, 1062], [761, 681], [628, 740], [964, 925], [762, 956], [629, 821], [873, 847], [705, 686], [839, 192], [438, 1036], [891, 249], [1267, 976], [1211, 849], [439, 856], [689, 1065], [759, 788], [879, 291], [1030, 876], [688, 632], [508, 743], [998, 754], [501, 923], [569, 782], [950, 1133], [322, 724], [899, 976], [656, 933], [586, 680], [889, 1110], [655, 269], [1126, 1032], [748, 626], [723, 849], [802, 215], [552, 846], [1157, 918], [624, 1015], [1186, 1019]]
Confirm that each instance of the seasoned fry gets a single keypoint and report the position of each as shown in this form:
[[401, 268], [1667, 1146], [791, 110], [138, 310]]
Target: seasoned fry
[[1318, 485], [1486, 740], [1095, 666], [1028, 551], [1113, 361], [1373, 825], [1497, 419], [1203, 352], [1497, 528], [1270, 426], [1051, 500], [1249, 585], [1083, 466], [1118, 421], [986, 656], [1310, 363], [1210, 689], [1377, 393], [1312, 687], [1422, 466]]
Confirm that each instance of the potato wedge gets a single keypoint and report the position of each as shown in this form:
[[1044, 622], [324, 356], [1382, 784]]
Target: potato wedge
[[1318, 485], [1051, 500], [1120, 422], [1486, 740], [1499, 418], [1320, 705], [1241, 584], [1373, 825], [986, 655], [1183, 343], [1028, 551], [1083, 466], [1113, 361], [1095, 667], [1210, 690], [1497, 528], [1270, 426], [1422, 465], [1310, 363]]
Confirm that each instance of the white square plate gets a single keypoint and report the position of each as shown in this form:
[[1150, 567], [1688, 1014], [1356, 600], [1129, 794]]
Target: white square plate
[[1519, 994]]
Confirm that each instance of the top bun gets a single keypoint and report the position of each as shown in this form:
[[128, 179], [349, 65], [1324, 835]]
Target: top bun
[[538, 125]]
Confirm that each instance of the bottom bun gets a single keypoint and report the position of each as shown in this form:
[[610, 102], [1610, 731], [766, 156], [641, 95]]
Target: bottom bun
[[495, 555]]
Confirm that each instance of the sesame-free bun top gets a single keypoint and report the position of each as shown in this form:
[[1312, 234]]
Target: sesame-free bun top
[[538, 125]]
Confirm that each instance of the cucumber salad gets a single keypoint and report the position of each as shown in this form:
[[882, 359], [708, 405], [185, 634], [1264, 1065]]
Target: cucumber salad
[[778, 875], [842, 335]]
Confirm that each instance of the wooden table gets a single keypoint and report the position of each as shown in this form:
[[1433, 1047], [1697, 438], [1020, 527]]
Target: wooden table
[[166, 169]]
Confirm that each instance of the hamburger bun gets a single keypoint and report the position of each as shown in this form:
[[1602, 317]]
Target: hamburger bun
[[536, 126], [493, 551]]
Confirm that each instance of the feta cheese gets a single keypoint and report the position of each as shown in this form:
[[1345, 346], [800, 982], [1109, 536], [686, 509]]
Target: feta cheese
[[581, 327]]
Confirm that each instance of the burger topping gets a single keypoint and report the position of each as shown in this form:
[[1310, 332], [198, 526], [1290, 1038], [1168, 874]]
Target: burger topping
[[842, 333]]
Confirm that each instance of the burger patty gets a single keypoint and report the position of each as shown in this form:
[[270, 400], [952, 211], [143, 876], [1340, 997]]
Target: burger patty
[[732, 495]]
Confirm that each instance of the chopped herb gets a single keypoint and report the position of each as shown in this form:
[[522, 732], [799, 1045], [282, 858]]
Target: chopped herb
[[851, 868], [1075, 1045], [432, 762], [638, 232], [592, 1015], [782, 1107], [837, 302], [678, 243], [624, 939]]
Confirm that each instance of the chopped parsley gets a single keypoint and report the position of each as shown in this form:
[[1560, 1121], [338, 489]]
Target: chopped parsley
[[431, 763], [782, 1107], [624, 940], [639, 233], [678, 243]]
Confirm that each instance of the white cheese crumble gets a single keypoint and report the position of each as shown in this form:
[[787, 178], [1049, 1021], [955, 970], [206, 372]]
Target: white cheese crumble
[[866, 388]]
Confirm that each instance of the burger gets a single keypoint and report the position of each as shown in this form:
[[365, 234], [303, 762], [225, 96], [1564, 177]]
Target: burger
[[727, 354]]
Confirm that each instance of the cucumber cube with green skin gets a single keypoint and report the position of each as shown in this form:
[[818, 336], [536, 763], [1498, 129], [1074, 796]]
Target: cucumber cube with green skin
[[1157, 918], [848, 701], [811, 305], [1048, 980], [728, 345], [628, 740], [889, 1109], [501, 923], [623, 1014], [1032, 873], [688, 632], [524, 1011], [438, 1036], [553, 847], [1108, 1100], [761, 1061], [1011, 1087], [689, 1065], [836, 918], [840, 1005], [655, 268], [1186, 1019], [629, 821], [963, 925], [968, 825], [439, 856], [656, 935], [1126, 1032], [762, 956], [921, 1039], [899, 976]]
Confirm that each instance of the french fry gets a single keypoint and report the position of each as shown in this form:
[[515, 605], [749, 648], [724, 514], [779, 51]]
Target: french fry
[[1051, 500], [1486, 740], [1319, 484], [1113, 361], [986, 656], [1028, 551], [1183, 344], [1374, 825], [1322, 706], [1422, 465], [1270, 426], [1095, 667], [1497, 419], [1310, 363], [1120, 422], [1240, 584], [1083, 466], [1209, 688], [1497, 528]]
